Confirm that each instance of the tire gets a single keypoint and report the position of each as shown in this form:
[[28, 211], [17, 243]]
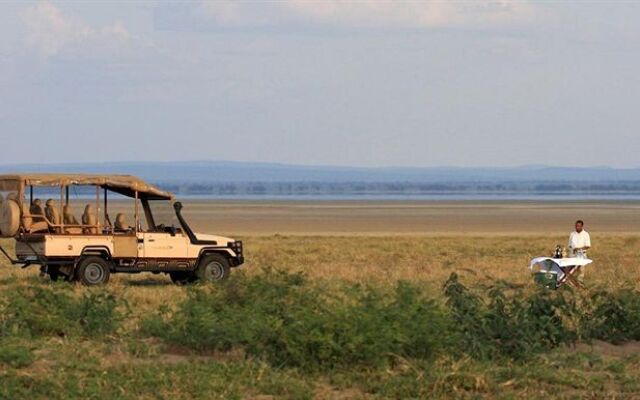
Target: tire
[[9, 218], [54, 273], [182, 277], [213, 268], [93, 271]]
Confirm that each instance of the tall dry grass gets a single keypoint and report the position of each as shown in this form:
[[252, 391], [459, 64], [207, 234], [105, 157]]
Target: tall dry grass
[[431, 260], [384, 260]]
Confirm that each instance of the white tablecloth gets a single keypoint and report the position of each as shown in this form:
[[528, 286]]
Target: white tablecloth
[[556, 265]]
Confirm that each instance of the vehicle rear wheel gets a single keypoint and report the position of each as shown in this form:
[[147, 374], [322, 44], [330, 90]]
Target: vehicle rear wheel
[[93, 271], [182, 277], [213, 267]]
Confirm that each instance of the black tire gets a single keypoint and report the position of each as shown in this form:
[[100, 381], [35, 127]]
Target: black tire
[[93, 271], [182, 277], [54, 272], [213, 268]]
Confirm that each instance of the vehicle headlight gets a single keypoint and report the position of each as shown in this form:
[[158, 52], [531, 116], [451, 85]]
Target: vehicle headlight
[[236, 247]]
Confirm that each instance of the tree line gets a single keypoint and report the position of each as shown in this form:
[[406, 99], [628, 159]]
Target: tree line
[[387, 188]]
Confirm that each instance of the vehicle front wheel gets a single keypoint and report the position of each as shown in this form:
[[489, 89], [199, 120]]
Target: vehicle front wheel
[[93, 271], [212, 268]]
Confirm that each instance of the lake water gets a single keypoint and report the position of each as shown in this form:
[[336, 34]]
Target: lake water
[[504, 196], [423, 197]]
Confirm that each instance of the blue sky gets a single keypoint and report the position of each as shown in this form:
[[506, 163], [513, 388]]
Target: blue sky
[[361, 83]]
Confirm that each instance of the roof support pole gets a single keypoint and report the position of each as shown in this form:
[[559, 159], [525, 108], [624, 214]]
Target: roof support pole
[[98, 207], [21, 193], [106, 212], [61, 208], [148, 215], [137, 217]]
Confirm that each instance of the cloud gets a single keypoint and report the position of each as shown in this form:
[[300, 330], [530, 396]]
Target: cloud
[[410, 14], [50, 32]]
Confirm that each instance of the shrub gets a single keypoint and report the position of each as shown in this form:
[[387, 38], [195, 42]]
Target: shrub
[[507, 327], [613, 316], [49, 311], [287, 321]]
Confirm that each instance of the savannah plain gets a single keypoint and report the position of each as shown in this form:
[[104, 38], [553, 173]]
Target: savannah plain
[[372, 276]]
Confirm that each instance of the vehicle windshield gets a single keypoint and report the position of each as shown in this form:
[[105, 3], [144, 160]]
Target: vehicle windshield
[[163, 213]]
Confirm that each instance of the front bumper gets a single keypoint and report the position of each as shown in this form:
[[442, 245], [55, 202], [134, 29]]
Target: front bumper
[[239, 251]]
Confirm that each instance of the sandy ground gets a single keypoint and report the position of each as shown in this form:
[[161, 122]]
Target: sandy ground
[[394, 217], [328, 218]]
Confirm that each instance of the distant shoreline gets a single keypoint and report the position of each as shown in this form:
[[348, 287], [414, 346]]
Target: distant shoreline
[[424, 198], [435, 198]]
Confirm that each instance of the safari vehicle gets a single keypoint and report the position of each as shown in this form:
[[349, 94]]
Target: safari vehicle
[[92, 248]]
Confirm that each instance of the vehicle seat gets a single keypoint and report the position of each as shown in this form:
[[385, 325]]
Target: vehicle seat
[[36, 210], [68, 217], [52, 213], [71, 224], [29, 222], [89, 218], [120, 224]]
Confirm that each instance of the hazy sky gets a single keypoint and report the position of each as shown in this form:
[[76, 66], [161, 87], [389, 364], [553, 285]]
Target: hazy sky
[[368, 83]]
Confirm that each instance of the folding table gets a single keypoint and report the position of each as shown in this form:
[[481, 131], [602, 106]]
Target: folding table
[[564, 269]]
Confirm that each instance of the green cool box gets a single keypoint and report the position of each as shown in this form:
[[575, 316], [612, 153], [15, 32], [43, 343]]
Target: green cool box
[[546, 279]]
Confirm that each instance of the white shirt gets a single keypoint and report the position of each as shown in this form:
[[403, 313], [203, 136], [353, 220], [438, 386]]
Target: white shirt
[[579, 240]]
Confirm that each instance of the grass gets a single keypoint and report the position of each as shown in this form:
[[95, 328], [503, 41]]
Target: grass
[[334, 317]]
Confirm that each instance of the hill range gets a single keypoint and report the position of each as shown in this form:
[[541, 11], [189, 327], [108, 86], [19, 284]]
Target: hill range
[[232, 171]]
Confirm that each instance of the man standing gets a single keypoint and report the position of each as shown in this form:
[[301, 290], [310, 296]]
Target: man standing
[[579, 244], [579, 241]]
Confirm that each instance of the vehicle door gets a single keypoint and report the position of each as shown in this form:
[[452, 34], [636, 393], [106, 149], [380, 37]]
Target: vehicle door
[[164, 245]]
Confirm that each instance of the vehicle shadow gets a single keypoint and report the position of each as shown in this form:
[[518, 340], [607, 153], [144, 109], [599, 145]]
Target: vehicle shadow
[[147, 282]]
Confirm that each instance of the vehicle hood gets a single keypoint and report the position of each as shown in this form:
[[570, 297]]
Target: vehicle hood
[[221, 240]]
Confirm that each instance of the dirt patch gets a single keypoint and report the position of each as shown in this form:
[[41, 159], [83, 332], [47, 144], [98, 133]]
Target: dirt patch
[[181, 351], [610, 350], [326, 391], [170, 354]]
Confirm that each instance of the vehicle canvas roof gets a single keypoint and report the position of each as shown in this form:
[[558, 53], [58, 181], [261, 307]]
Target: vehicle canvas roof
[[126, 185]]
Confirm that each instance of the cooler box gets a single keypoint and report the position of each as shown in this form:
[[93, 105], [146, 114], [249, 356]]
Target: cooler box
[[547, 279]]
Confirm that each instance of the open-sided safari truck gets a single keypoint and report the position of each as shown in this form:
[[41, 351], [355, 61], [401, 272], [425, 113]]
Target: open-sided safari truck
[[92, 247]]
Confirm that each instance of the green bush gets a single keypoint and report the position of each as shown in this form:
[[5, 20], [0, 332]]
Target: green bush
[[49, 311], [614, 316], [513, 327], [287, 321]]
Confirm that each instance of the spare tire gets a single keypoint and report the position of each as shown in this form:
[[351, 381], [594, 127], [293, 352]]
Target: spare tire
[[9, 218]]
